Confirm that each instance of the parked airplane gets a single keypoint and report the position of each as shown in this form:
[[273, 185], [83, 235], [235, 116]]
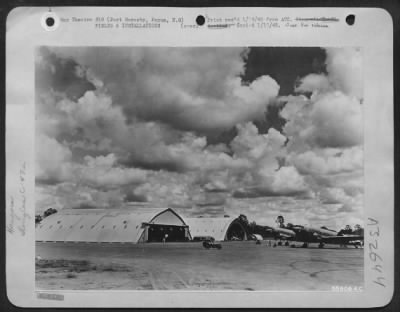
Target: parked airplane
[[308, 235]]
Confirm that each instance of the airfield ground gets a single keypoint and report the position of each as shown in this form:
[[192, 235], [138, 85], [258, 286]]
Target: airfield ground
[[188, 266]]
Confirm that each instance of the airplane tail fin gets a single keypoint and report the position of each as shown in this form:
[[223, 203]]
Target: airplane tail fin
[[280, 221]]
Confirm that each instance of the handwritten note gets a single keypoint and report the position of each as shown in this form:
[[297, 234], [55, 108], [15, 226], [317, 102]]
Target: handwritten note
[[373, 252], [18, 216]]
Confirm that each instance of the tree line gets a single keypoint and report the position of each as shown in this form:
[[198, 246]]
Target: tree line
[[48, 212]]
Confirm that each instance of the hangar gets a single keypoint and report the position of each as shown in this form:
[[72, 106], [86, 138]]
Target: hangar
[[108, 225], [220, 228]]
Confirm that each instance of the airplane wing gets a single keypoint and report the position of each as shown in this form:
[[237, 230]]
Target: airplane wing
[[278, 233], [345, 239], [283, 235]]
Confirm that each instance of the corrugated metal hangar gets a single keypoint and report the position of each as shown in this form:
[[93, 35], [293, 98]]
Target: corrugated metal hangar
[[101, 225], [226, 228], [134, 226]]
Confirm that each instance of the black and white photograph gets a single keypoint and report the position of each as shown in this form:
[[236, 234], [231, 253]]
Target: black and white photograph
[[218, 168], [199, 157]]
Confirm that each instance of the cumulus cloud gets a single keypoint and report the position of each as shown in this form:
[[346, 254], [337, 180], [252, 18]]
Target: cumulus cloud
[[287, 181], [249, 143], [325, 133], [343, 201], [344, 66], [61, 75], [332, 117], [193, 89], [328, 161], [215, 186], [344, 73], [284, 182], [267, 176], [52, 159], [337, 121], [312, 83], [76, 196], [93, 123], [179, 127], [102, 172], [327, 120], [165, 192], [332, 196]]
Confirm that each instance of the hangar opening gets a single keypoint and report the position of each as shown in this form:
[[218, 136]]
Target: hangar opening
[[166, 226], [216, 228], [159, 233], [236, 231]]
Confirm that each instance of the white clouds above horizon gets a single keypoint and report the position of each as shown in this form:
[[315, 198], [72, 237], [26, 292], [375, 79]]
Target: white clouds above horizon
[[326, 120], [133, 126], [344, 73], [194, 89]]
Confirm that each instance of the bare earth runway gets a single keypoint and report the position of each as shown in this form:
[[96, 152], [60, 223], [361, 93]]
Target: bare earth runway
[[188, 266]]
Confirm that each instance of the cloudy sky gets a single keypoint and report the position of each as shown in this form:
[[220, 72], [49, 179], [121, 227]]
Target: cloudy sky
[[210, 131]]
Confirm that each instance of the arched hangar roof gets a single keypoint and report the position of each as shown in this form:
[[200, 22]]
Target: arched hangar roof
[[103, 225], [216, 227]]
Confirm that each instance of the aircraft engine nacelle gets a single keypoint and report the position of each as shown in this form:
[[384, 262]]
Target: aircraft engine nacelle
[[321, 232], [285, 232]]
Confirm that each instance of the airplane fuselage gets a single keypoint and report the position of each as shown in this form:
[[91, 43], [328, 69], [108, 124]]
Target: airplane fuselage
[[308, 234], [312, 234]]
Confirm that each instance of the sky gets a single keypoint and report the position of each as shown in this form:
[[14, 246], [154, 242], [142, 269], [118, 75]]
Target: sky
[[261, 131]]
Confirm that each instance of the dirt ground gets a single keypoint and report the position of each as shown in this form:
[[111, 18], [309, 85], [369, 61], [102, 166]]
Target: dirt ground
[[188, 266]]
